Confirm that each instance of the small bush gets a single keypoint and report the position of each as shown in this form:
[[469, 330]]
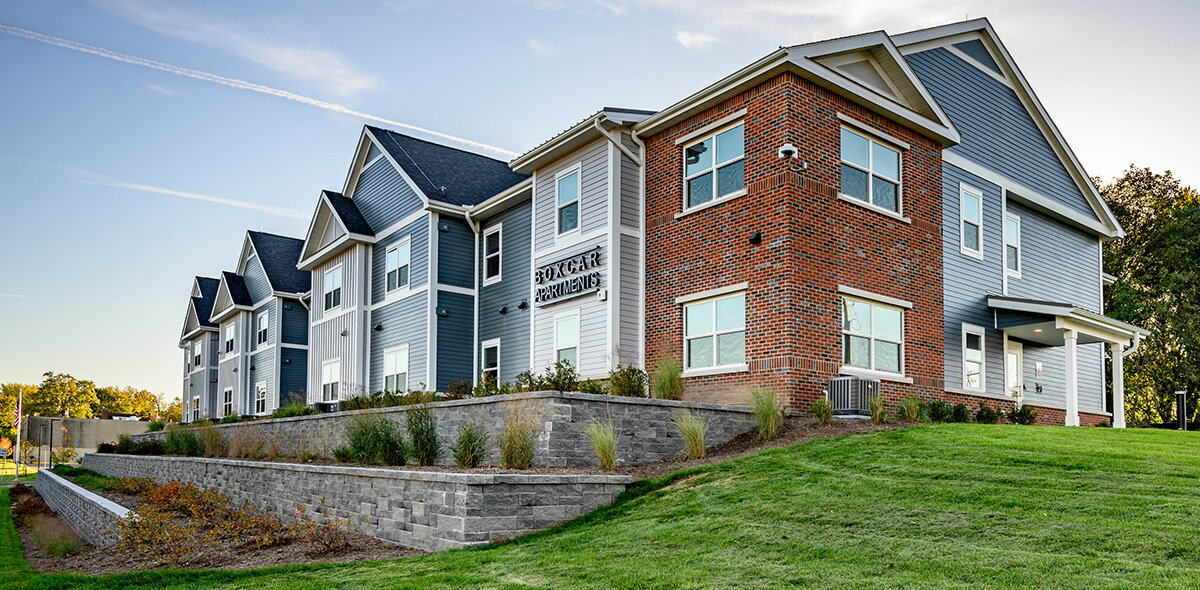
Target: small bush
[[692, 429], [343, 454], [458, 389], [231, 419], [627, 382], [667, 380], [561, 376], [471, 447], [424, 447], [879, 413], [960, 413], [604, 443], [156, 425], [211, 442], [106, 447], [910, 409], [986, 415], [940, 411], [296, 408], [591, 386], [28, 507], [527, 381], [55, 537], [327, 538], [822, 411], [374, 441], [768, 413], [182, 442], [1024, 415], [519, 436]]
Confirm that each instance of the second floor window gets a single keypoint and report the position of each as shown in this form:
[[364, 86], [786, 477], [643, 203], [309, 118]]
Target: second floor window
[[971, 205], [264, 322], [331, 374], [715, 332], [870, 171], [197, 354], [397, 263], [1012, 244], [566, 194], [491, 254], [872, 336], [715, 166], [333, 288], [230, 337]]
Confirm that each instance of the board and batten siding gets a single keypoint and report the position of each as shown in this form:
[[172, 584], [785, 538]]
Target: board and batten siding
[[512, 328], [326, 339], [262, 368], [629, 310], [383, 196], [404, 322], [226, 376], [593, 199], [593, 318], [631, 180], [256, 281]]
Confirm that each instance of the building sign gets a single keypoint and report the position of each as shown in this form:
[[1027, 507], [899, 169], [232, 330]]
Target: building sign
[[568, 278]]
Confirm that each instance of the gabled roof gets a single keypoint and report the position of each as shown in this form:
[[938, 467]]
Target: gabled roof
[[961, 35], [446, 174], [576, 136], [235, 287], [348, 213], [336, 223], [279, 256], [200, 304]]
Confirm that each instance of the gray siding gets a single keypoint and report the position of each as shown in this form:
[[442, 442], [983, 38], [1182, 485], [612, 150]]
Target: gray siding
[[511, 328], [270, 308], [631, 179], [256, 280], [293, 322], [629, 307], [593, 319], [293, 375], [404, 322], [262, 368], [383, 196], [326, 339], [456, 252], [997, 131], [455, 338], [418, 272], [593, 196]]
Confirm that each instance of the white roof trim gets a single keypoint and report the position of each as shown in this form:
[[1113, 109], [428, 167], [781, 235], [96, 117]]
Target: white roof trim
[[1064, 311], [333, 247]]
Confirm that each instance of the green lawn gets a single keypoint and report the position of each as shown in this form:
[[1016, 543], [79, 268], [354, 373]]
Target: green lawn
[[942, 506]]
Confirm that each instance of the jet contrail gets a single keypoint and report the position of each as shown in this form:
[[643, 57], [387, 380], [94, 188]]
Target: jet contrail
[[235, 83], [285, 212]]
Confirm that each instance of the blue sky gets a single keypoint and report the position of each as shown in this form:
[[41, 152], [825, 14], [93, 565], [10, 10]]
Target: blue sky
[[120, 182]]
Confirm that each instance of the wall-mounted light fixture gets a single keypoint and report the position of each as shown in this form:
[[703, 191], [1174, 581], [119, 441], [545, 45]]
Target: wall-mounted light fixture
[[251, 367], [756, 238], [345, 333], [504, 310], [523, 305], [287, 361], [378, 327]]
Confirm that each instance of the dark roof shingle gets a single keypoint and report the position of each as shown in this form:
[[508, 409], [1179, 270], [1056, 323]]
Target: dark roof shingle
[[447, 174], [204, 303], [279, 256], [348, 212], [237, 288]]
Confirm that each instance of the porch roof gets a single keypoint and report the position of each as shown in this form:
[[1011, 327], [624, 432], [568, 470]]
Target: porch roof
[[1046, 322]]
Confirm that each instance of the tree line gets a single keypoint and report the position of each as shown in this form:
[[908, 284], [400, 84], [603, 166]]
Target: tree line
[[60, 394]]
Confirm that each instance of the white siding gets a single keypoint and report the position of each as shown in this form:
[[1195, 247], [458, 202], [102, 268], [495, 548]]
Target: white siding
[[326, 328]]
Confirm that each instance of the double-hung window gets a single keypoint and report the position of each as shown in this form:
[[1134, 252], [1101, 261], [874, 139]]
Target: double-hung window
[[1012, 245], [331, 372], [870, 171], [260, 397], [872, 336], [264, 322], [715, 332], [395, 369], [491, 362], [397, 262], [195, 409], [973, 355], [197, 355], [566, 338], [491, 255], [230, 337], [566, 194], [970, 204], [715, 167], [333, 288], [227, 402]]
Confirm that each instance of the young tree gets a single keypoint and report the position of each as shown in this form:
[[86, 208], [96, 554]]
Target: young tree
[[174, 411], [63, 395]]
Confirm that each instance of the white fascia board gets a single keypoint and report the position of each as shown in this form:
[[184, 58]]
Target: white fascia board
[[396, 165], [1028, 306], [247, 246], [228, 311], [580, 133], [519, 191]]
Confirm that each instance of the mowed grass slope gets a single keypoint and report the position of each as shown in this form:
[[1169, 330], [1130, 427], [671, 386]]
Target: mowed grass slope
[[946, 506]]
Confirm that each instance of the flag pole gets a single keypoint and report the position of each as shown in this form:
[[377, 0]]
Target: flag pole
[[17, 450]]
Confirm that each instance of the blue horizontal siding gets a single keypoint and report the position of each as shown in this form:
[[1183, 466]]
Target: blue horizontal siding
[[512, 327], [294, 322], [383, 196], [456, 252], [455, 338], [256, 280], [403, 322], [418, 272]]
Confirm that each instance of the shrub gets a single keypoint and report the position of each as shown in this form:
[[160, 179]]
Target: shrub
[[604, 443], [822, 411], [182, 442], [768, 413], [156, 425], [518, 438], [910, 409], [470, 448], [126, 446], [527, 381], [343, 454], [1023, 415], [211, 442], [374, 441], [667, 380], [231, 419], [424, 446], [327, 538], [627, 382], [591, 386], [879, 413], [939, 411], [296, 408], [986, 415], [692, 430], [960, 413], [458, 389], [106, 447], [28, 507], [55, 537], [561, 376]]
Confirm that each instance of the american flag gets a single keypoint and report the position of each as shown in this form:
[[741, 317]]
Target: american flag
[[17, 415]]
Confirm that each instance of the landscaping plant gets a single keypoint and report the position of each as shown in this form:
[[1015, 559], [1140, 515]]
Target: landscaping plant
[[55, 537], [156, 425], [561, 376], [527, 381], [296, 408], [182, 442], [627, 382], [768, 413], [692, 429], [424, 447], [822, 411], [245, 444], [959, 413], [230, 420], [667, 380], [212, 442], [471, 447], [374, 441], [879, 413], [519, 436], [458, 389], [939, 411], [591, 386], [604, 442], [910, 409], [986, 415], [1023, 415]]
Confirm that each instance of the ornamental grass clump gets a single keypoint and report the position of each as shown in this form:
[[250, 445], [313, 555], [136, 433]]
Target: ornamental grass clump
[[692, 429], [470, 449], [182, 442], [910, 409], [667, 380], [879, 412], [373, 441], [822, 411], [55, 537], [424, 447], [604, 442], [211, 442], [768, 413], [296, 408], [518, 437]]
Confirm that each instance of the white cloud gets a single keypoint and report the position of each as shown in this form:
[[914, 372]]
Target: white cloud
[[160, 89], [694, 40], [541, 49]]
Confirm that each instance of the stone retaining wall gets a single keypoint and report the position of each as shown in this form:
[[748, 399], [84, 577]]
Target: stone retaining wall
[[422, 509], [93, 516], [643, 426]]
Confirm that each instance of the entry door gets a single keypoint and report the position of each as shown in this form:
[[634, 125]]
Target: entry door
[[1014, 360]]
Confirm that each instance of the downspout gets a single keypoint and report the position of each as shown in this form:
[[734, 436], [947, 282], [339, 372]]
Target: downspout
[[606, 134], [633, 134], [475, 278], [1137, 341]]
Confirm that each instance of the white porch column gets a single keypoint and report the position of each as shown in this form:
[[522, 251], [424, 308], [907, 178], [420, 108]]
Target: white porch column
[[1118, 384], [1072, 419]]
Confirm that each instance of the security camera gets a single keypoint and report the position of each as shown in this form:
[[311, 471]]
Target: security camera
[[788, 150]]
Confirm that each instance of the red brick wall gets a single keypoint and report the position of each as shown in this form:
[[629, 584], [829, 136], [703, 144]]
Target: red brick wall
[[812, 243]]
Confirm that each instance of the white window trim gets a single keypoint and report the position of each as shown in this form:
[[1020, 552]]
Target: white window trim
[[578, 337], [576, 168], [876, 138], [714, 369], [496, 229], [495, 342], [197, 359], [324, 274], [399, 290], [982, 333], [1016, 274], [260, 386], [337, 379], [230, 336], [261, 332], [963, 191], [229, 391], [407, 366], [716, 200], [880, 301]]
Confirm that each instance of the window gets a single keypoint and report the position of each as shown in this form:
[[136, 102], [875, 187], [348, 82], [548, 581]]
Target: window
[[491, 362], [970, 205], [397, 262], [333, 288], [872, 336], [1012, 245], [870, 171], [227, 410], [567, 197], [973, 355], [197, 354], [566, 338], [721, 156], [195, 409], [491, 255], [395, 370], [331, 373], [230, 337], [715, 332], [264, 322], [260, 397]]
